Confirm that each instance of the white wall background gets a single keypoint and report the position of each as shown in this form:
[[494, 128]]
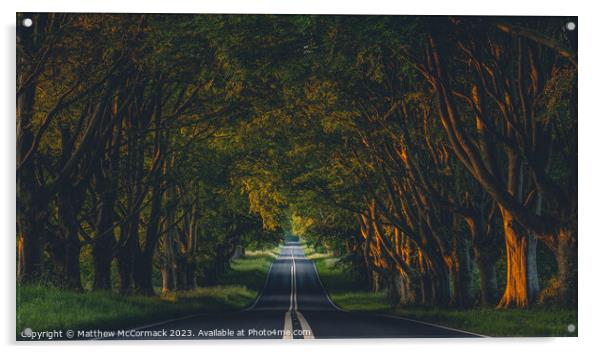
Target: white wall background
[[590, 178]]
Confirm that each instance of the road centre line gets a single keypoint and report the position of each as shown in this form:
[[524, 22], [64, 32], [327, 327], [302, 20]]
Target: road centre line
[[293, 308]]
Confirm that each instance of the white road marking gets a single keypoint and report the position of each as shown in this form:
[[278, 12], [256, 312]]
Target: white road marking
[[288, 326], [305, 326], [433, 325], [292, 298], [293, 308]]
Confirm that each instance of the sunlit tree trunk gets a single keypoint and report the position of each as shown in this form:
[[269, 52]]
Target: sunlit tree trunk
[[521, 269], [404, 280], [168, 280], [522, 283]]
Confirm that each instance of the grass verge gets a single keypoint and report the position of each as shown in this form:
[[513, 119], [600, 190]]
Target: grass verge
[[43, 308], [347, 293]]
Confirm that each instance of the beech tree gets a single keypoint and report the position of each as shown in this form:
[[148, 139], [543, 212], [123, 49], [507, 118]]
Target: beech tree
[[515, 112]]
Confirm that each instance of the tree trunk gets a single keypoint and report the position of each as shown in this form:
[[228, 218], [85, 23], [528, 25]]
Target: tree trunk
[[143, 274], [239, 251], [65, 256], [181, 271], [168, 280], [563, 290], [407, 292], [101, 252], [102, 248], [143, 263], [66, 247], [462, 273], [567, 268], [107, 184], [31, 241], [72, 274], [487, 281], [125, 269], [126, 255], [375, 281], [486, 253], [521, 271], [441, 295], [395, 285], [191, 279], [426, 289]]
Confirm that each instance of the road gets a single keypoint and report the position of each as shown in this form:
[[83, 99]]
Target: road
[[292, 305]]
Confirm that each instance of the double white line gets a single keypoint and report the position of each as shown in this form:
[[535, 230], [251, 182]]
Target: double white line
[[288, 316]]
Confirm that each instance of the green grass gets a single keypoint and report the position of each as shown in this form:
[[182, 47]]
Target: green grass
[[250, 271], [345, 291], [535, 322], [348, 294], [44, 308]]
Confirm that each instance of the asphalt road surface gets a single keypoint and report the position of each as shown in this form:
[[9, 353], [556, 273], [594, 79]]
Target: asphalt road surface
[[292, 305]]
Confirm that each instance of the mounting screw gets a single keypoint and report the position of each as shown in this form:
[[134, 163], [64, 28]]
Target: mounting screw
[[571, 26], [27, 22]]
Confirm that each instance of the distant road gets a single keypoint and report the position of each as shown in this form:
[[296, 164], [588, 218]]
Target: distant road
[[292, 305]]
